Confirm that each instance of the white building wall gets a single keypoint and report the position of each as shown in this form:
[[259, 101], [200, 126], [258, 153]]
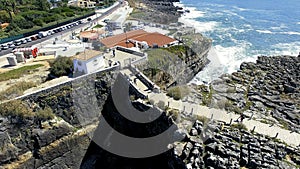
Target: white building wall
[[89, 66], [95, 63]]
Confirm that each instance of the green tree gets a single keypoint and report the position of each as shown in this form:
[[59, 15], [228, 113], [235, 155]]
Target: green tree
[[128, 26], [43, 5], [8, 6]]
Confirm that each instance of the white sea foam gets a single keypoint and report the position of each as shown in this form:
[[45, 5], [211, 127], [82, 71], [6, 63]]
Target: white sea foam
[[291, 33], [264, 31], [298, 23], [223, 60], [286, 49], [282, 26], [241, 9], [194, 13]]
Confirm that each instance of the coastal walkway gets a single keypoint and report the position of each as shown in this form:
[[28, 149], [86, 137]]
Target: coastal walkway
[[192, 109]]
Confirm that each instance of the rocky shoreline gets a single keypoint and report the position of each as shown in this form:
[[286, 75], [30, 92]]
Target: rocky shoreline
[[213, 144], [267, 91]]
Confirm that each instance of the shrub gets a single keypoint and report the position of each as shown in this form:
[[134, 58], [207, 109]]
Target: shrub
[[16, 109], [38, 22], [174, 113], [62, 66], [203, 119], [45, 114], [239, 126], [161, 105], [178, 92]]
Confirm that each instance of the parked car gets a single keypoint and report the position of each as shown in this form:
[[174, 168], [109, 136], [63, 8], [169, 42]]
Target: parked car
[[12, 46], [18, 42], [34, 37], [28, 39], [43, 34], [4, 46], [105, 20], [24, 41]]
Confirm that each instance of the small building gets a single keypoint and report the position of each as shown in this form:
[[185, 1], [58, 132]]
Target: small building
[[82, 3], [88, 61], [88, 36], [139, 38]]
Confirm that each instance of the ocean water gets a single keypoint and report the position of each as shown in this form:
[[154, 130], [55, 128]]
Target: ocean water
[[241, 30]]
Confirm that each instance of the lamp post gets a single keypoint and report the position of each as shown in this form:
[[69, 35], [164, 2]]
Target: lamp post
[[126, 37]]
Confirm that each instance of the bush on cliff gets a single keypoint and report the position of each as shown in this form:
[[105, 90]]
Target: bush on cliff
[[62, 66], [178, 92], [16, 90], [16, 110]]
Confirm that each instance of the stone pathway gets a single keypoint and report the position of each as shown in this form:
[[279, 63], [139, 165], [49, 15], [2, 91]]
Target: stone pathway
[[191, 109], [287, 136]]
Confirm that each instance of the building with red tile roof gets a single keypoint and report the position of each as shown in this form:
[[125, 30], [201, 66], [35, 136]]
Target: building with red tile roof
[[128, 39]]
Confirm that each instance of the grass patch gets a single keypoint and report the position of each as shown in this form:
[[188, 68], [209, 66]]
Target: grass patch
[[136, 13], [178, 50], [17, 73], [98, 26], [207, 97], [284, 124], [16, 90]]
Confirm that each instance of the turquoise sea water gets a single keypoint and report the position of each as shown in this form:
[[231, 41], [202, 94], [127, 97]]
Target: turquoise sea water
[[243, 29]]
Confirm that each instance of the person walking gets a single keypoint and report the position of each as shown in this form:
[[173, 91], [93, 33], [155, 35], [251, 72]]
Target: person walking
[[242, 117]]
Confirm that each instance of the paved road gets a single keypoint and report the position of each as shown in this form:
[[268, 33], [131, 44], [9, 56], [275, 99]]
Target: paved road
[[68, 31]]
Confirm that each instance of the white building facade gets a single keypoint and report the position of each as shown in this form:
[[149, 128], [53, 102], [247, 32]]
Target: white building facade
[[88, 65]]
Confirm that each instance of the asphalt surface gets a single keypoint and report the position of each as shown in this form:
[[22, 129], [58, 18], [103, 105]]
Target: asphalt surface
[[80, 26]]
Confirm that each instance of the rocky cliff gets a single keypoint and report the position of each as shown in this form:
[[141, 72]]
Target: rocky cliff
[[268, 91], [57, 142], [160, 11]]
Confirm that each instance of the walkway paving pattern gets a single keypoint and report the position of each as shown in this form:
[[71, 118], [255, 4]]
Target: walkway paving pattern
[[221, 115], [191, 109]]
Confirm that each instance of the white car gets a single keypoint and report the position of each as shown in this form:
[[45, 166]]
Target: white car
[[4, 46], [12, 46], [24, 41], [28, 39]]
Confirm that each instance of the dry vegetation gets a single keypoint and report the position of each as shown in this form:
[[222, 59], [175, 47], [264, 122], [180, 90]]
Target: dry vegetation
[[17, 73], [18, 111], [16, 90]]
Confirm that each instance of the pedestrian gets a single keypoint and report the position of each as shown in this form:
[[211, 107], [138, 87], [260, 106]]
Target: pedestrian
[[114, 53], [242, 117]]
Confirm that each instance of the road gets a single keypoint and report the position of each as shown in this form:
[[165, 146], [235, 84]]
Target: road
[[68, 31]]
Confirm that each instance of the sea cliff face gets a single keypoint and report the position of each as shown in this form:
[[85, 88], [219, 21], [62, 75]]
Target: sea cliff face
[[62, 141]]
